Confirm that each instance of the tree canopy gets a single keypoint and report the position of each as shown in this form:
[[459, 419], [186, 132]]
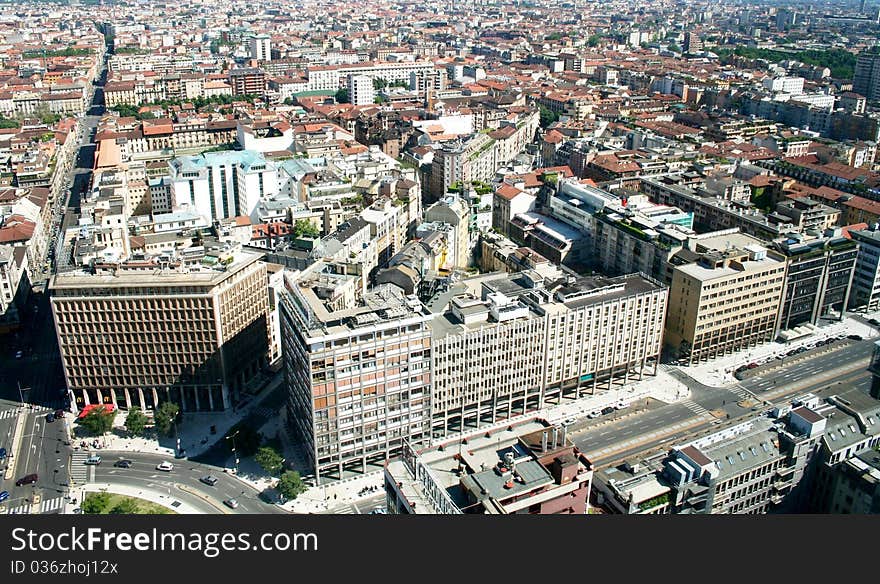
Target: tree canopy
[[165, 416], [98, 421], [291, 485]]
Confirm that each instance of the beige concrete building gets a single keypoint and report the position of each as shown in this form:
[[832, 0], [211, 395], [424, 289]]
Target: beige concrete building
[[507, 344], [358, 370], [726, 298], [141, 334]]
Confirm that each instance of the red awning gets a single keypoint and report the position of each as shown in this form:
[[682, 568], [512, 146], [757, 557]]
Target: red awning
[[85, 411]]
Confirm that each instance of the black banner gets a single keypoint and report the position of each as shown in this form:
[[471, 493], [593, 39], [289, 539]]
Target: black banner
[[408, 548]]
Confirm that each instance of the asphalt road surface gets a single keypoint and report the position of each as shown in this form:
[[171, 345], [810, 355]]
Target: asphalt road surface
[[143, 475], [361, 507], [42, 451], [607, 441]]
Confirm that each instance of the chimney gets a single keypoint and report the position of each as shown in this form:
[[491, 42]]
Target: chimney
[[555, 433], [564, 432], [544, 441]]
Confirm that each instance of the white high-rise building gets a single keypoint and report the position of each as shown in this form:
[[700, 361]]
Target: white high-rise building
[[360, 90], [261, 47], [220, 185]]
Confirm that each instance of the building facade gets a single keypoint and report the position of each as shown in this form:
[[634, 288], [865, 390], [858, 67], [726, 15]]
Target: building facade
[[140, 337], [726, 300], [357, 370]]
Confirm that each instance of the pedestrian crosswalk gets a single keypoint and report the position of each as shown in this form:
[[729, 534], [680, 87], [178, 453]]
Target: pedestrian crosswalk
[[13, 412], [52, 505], [19, 509], [79, 471], [739, 391], [695, 407], [22, 507], [6, 414]]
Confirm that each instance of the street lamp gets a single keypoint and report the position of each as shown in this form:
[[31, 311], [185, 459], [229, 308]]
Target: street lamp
[[234, 451]]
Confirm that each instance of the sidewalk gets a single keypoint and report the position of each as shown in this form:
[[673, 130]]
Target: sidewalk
[[194, 430], [719, 372]]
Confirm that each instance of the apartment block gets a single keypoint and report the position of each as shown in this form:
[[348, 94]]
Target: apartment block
[[725, 299], [462, 162], [358, 370], [139, 333], [248, 81], [507, 344], [530, 468], [360, 90]]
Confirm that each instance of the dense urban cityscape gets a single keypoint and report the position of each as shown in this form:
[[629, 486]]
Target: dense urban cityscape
[[397, 257]]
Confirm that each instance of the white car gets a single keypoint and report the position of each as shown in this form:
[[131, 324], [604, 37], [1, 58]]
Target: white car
[[165, 465]]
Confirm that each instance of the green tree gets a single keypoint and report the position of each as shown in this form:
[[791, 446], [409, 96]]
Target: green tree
[[125, 507], [269, 459], [547, 116], [674, 48], [341, 95], [594, 40], [6, 123], [135, 421], [304, 227], [98, 421], [165, 417], [95, 503], [291, 485], [379, 83]]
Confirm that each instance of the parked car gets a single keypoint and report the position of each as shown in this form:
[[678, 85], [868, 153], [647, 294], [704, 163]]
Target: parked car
[[94, 459], [59, 414], [378, 512], [27, 480], [19, 354], [165, 466], [607, 410], [122, 464], [2, 453], [50, 417], [4, 495], [209, 480], [854, 337], [874, 321], [231, 503]]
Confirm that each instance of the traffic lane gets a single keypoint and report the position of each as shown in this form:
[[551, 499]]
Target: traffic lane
[[167, 494], [367, 506], [187, 473], [853, 353]]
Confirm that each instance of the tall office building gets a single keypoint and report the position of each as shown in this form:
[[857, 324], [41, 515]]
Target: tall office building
[[358, 370], [260, 47], [360, 90], [866, 79], [866, 282], [132, 336], [726, 300], [818, 279]]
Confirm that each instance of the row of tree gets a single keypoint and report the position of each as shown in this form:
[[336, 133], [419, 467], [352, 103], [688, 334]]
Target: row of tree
[[99, 420]]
